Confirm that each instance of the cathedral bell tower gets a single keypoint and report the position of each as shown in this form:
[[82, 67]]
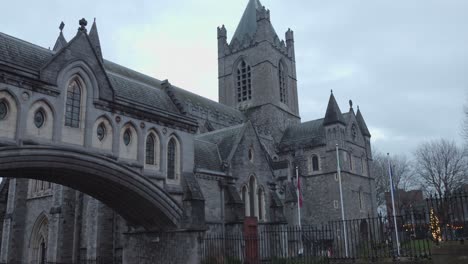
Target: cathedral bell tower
[[257, 72]]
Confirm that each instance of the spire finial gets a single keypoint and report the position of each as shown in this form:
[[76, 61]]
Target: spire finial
[[83, 24], [94, 20], [351, 104], [62, 25], [331, 91], [358, 107]]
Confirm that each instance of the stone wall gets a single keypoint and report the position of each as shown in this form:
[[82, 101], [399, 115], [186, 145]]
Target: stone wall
[[178, 247]]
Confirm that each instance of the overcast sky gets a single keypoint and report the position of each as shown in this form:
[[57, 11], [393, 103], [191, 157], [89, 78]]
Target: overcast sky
[[405, 63]]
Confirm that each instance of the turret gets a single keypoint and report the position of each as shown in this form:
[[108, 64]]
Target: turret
[[334, 122], [61, 41], [94, 38]]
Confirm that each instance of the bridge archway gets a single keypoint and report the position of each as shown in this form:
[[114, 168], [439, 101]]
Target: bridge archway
[[130, 194]]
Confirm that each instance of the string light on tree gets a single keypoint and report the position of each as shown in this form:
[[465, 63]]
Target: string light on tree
[[435, 227]]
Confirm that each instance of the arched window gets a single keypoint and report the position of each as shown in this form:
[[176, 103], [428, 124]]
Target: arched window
[[73, 106], [127, 137], [244, 82], [315, 163], [252, 199], [282, 83], [150, 149], [3, 109], [260, 203], [245, 199], [173, 160], [361, 203]]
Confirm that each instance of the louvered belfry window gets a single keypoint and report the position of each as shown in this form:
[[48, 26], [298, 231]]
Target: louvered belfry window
[[72, 112], [282, 83], [244, 82]]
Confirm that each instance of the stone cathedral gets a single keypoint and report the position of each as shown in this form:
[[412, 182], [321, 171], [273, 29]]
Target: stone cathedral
[[102, 162]]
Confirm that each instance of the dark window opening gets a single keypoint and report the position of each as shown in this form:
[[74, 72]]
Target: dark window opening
[[150, 150], [39, 118]]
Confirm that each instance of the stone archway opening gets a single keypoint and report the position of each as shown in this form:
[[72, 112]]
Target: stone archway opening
[[134, 197]]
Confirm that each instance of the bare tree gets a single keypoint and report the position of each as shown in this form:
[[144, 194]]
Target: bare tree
[[402, 174], [441, 165], [465, 125]]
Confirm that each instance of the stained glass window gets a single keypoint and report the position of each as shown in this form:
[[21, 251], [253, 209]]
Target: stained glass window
[[244, 82], [72, 113]]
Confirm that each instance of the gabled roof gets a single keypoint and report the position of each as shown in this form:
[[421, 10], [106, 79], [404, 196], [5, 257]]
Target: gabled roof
[[226, 139], [207, 155], [21, 53], [248, 22], [333, 114], [362, 124]]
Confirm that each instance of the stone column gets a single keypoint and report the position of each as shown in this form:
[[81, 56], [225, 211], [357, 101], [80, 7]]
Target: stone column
[[105, 234], [14, 223]]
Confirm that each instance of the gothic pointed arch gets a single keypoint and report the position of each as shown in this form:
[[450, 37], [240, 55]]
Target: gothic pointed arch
[[74, 102], [38, 242], [152, 149], [173, 158], [128, 141], [243, 80], [283, 81], [41, 119], [9, 111], [103, 133]]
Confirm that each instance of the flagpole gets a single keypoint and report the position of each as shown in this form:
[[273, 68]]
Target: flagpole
[[301, 250], [338, 169], [393, 204], [298, 198]]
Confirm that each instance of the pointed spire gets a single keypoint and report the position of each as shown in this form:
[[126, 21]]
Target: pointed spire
[[61, 41], [248, 23], [94, 38], [333, 114], [362, 123]]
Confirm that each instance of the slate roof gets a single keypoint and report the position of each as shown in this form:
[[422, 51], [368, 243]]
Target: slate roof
[[362, 124], [225, 139], [139, 88], [248, 22], [185, 98], [308, 133], [22, 53], [207, 155], [333, 114]]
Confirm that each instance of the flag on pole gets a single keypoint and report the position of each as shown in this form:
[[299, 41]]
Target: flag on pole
[[299, 196]]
